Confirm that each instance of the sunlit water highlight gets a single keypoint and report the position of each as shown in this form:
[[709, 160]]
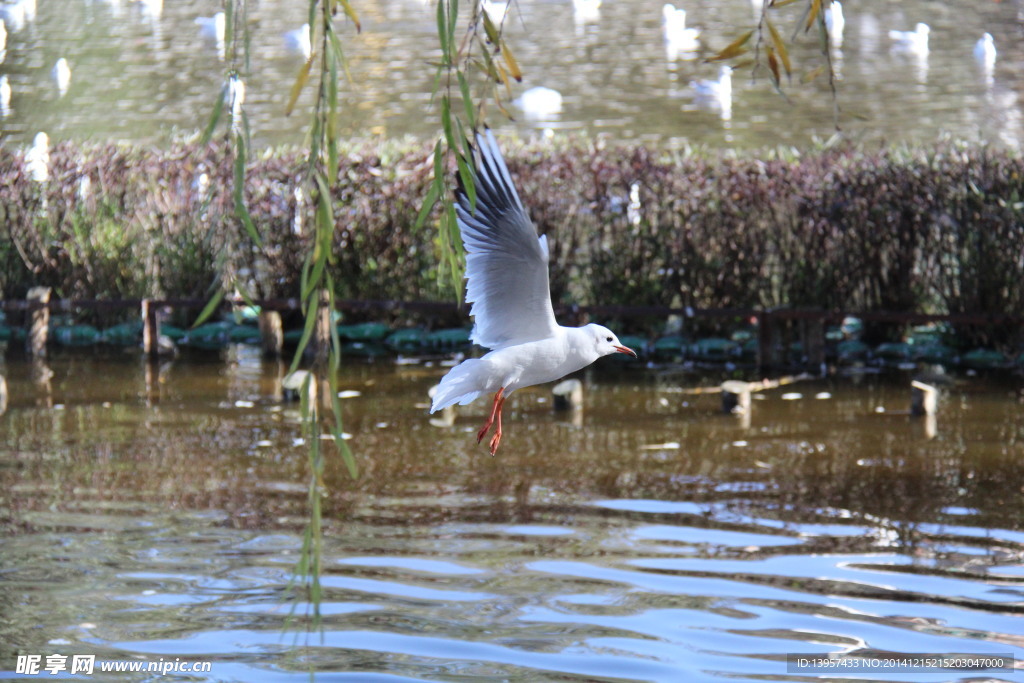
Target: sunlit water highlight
[[147, 78], [648, 538]]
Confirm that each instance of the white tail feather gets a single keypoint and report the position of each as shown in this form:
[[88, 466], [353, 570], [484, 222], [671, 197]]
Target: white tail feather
[[458, 386]]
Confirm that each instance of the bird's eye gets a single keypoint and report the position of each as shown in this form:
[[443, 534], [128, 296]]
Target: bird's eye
[[607, 339]]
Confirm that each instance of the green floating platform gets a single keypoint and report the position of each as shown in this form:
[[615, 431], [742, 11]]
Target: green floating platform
[[364, 332], [75, 335]]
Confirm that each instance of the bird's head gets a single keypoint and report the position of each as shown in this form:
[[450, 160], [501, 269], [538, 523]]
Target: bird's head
[[605, 341]]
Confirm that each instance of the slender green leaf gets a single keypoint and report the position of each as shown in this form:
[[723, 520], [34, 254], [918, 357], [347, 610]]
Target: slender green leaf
[[307, 332], [487, 66], [340, 54], [438, 161], [229, 25], [446, 121], [241, 211], [218, 107], [210, 307], [442, 33], [465, 147], [351, 14], [298, 85], [453, 14], [466, 175], [467, 101], [433, 194], [490, 30]]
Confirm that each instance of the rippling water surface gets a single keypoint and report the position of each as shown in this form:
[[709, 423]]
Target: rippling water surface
[[159, 514], [148, 78]]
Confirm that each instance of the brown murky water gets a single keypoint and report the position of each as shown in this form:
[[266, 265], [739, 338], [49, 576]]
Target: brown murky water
[[158, 515]]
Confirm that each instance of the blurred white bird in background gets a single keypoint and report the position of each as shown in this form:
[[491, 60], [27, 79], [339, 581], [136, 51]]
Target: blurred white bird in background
[[679, 40], [18, 14], [835, 22], [915, 41], [495, 9], [586, 11], [715, 94], [62, 75], [37, 159], [540, 103], [985, 56], [915, 45], [985, 52], [236, 98], [214, 28], [5, 96], [298, 41], [152, 8]]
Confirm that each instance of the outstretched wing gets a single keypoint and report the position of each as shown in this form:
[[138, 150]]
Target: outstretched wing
[[506, 263]]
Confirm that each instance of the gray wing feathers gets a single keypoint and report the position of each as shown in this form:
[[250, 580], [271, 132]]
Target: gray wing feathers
[[506, 263]]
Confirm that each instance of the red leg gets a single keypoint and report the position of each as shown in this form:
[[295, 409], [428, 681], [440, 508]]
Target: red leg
[[496, 439], [495, 410]]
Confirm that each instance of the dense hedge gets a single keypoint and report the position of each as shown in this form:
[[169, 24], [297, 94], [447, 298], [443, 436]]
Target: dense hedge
[[933, 230]]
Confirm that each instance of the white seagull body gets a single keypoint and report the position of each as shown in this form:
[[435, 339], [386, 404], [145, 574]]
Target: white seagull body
[[507, 273], [62, 74], [540, 103], [678, 38], [915, 41], [5, 96], [835, 22], [298, 40], [985, 52]]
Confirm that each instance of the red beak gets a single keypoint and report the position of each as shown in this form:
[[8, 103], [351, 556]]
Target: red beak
[[626, 349]]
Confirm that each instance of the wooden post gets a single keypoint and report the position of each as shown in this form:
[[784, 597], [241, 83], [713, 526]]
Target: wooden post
[[321, 342], [735, 397], [447, 418], [41, 378], [568, 395], [151, 375], [814, 343], [150, 328], [39, 320], [924, 399], [271, 332], [768, 341], [292, 386]]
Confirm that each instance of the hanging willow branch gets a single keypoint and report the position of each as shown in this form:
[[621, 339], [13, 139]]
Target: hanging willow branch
[[317, 287], [481, 51]]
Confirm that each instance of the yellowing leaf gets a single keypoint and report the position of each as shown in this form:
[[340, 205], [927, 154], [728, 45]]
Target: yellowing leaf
[[300, 82], [812, 14], [734, 48], [510, 60], [780, 48], [351, 14], [773, 64], [491, 30], [814, 73]]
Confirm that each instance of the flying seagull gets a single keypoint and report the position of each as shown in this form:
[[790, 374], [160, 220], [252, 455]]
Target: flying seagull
[[507, 274]]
